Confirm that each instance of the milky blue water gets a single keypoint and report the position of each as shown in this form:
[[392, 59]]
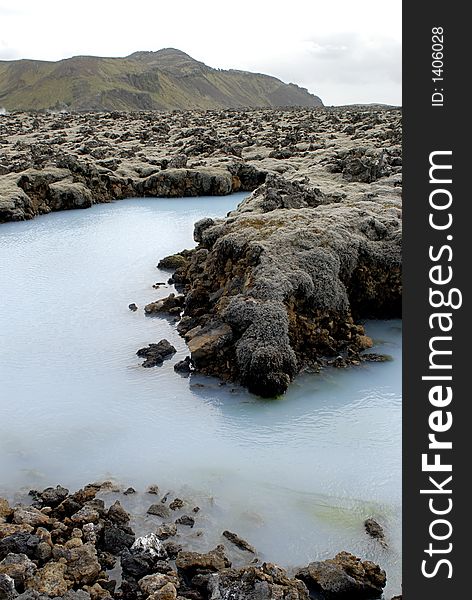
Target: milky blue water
[[296, 476]]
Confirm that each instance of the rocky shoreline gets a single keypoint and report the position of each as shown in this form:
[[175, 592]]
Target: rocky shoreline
[[81, 546]]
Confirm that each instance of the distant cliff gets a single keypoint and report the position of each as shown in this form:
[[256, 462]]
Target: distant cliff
[[164, 80]]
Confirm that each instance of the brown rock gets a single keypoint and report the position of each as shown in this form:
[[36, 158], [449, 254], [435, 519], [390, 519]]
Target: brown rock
[[7, 529], [5, 510], [203, 345], [375, 530], [344, 576], [117, 514], [152, 583], [83, 566], [50, 580], [97, 592], [166, 531], [215, 560], [167, 592], [159, 510], [17, 566], [238, 541], [364, 342], [85, 515], [28, 515]]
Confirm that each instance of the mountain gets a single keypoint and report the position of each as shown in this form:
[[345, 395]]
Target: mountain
[[163, 80]]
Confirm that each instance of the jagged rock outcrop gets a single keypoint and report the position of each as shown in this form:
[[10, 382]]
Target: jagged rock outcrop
[[281, 283]]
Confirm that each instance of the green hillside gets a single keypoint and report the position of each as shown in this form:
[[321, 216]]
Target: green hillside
[[163, 80]]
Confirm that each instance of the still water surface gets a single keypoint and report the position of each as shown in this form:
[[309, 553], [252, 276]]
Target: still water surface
[[296, 476]]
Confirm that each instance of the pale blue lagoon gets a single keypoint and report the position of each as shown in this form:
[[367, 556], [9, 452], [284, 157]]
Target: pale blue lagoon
[[296, 476]]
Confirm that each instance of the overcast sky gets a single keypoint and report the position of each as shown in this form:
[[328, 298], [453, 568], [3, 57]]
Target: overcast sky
[[345, 51]]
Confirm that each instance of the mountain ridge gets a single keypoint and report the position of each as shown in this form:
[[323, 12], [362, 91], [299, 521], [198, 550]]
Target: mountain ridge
[[166, 79]]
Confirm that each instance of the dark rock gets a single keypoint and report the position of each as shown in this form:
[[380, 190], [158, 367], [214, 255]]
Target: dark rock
[[344, 576], [155, 354], [144, 557], [267, 582], [115, 539], [172, 548], [184, 366], [7, 588], [159, 510], [117, 514], [282, 153], [106, 560], [176, 504], [185, 520], [363, 165], [375, 530], [373, 357], [68, 507], [128, 590], [107, 584], [53, 496], [133, 307], [136, 566], [238, 541], [19, 543]]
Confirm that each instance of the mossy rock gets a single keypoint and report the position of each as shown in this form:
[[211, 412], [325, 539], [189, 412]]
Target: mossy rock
[[172, 262]]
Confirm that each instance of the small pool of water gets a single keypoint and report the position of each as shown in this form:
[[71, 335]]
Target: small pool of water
[[295, 476]]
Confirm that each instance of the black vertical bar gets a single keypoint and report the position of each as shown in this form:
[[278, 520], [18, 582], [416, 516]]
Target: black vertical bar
[[436, 123]]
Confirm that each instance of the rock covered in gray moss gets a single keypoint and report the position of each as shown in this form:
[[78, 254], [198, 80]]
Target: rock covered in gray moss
[[281, 283], [62, 161]]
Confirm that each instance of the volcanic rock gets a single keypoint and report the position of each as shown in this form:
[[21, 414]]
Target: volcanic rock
[[155, 354], [344, 576]]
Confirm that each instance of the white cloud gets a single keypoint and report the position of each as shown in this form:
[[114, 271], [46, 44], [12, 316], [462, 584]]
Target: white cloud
[[344, 51]]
